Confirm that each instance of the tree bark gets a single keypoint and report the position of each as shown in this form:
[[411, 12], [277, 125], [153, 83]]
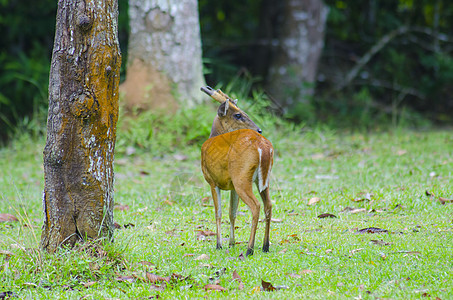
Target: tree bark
[[293, 70], [81, 124], [164, 54]]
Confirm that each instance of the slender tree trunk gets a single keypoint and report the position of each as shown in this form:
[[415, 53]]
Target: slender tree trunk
[[81, 125], [293, 70], [164, 54]]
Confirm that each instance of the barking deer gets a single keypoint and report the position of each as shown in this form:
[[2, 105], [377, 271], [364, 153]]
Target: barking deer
[[234, 157]]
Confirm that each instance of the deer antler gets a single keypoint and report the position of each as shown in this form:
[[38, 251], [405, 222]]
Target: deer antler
[[217, 95]]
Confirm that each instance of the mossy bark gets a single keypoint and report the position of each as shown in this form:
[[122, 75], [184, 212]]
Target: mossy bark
[[164, 55], [81, 125]]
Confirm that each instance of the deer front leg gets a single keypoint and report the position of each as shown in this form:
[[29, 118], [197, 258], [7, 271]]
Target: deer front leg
[[234, 201], [218, 213]]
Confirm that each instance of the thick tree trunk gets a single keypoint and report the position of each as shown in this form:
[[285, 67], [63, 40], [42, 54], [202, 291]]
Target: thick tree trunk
[[81, 125], [164, 54], [293, 70]]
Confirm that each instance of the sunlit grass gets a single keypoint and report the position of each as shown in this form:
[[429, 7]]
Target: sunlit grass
[[309, 257]]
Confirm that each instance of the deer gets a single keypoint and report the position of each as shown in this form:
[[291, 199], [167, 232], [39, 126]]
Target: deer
[[235, 157]]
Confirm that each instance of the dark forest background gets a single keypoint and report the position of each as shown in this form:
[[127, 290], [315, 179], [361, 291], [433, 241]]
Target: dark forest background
[[384, 63]]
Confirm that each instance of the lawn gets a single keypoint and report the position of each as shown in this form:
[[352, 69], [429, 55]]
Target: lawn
[[389, 235]]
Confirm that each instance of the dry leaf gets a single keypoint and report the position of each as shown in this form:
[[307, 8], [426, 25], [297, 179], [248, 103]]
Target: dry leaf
[[445, 200], [121, 207], [313, 200], [202, 257], [146, 263], [355, 251], [353, 210], [401, 152], [294, 275], [202, 234], [267, 286], [283, 251], [239, 280], [372, 230], [126, 278], [8, 218], [380, 242], [214, 287], [89, 283], [326, 215], [153, 278], [306, 272]]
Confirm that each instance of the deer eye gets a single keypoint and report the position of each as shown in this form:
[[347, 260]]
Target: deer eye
[[237, 116]]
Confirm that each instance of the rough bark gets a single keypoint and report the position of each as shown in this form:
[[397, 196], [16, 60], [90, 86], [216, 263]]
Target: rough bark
[[164, 54], [81, 125], [293, 70]]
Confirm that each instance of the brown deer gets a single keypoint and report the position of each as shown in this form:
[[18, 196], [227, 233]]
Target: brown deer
[[234, 157]]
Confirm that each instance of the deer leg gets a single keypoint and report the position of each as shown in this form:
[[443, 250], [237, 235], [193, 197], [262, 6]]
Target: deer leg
[[246, 194], [234, 201], [218, 213], [268, 215]]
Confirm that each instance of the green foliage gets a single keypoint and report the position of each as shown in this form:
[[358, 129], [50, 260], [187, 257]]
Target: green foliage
[[411, 73], [161, 132]]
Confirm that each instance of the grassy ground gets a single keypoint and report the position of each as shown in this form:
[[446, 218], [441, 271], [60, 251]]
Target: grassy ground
[[376, 180]]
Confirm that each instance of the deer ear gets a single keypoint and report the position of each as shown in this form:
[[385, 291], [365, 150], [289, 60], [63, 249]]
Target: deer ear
[[223, 108]]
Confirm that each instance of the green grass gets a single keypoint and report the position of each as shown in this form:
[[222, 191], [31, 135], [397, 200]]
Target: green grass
[[313, 258]]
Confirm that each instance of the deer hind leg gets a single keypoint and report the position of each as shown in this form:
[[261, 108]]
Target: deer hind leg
[[234, 201], [268, 215], [245, 192], [218, 213]]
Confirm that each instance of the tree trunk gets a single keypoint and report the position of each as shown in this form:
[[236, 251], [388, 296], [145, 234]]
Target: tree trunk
[[164, 54], [81, 124], [293, 70]]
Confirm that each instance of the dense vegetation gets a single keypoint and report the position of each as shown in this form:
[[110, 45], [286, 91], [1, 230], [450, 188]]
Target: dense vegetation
[[405, 82]]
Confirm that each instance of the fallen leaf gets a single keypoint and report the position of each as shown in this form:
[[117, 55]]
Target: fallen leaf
[[188, 254], [241, 256], [202, 234], [445, 200], [238, 279], [202, 257], [126, 278], [8, 254], [313, 200], [153, 278], [214, 287], [144, 173], [158, 288], [283, 251], [326, 215], [294, 275], [146, 263], [429, 194], [8, 218], [121, 207], [371, 230], [353, 210], [355, 251], [380, 242], [293, 214], [117, 226], [267, 286], [401, 152], [180, 157], [89, 283], [306, 272], [129, 225]]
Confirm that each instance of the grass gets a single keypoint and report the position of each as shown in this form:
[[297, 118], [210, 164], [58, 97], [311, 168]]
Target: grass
[[387, 174]]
